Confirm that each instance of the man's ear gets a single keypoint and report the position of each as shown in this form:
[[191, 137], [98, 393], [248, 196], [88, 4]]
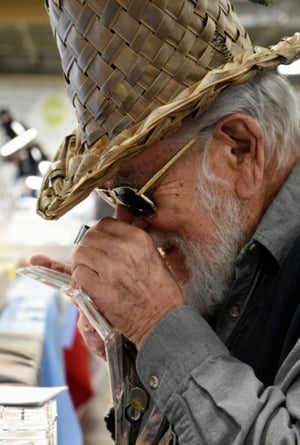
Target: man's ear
[[244, 152]]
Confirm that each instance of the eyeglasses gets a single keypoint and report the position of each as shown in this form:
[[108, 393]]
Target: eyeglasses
[[139, 203]]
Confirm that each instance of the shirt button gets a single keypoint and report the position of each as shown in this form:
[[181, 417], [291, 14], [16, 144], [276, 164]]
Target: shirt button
[[154, 382], [252, 247], [234, 312]]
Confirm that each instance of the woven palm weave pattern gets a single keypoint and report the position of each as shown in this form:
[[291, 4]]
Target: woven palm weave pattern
[[123, 59]]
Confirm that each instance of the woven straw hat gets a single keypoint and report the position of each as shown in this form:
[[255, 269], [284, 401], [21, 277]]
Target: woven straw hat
[[135, 69]]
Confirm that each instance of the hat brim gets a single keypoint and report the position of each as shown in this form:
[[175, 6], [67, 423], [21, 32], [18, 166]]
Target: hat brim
[[75, 173]]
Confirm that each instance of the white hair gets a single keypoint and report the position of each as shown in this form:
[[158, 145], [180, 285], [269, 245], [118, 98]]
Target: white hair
[[270, 100]]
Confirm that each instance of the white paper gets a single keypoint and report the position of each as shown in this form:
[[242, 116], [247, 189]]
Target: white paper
[[11, 395]]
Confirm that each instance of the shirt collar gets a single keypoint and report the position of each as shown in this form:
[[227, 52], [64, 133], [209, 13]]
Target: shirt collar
[[280, 226]]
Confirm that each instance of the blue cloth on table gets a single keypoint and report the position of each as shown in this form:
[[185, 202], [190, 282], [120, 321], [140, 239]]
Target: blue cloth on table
[[33, 307]]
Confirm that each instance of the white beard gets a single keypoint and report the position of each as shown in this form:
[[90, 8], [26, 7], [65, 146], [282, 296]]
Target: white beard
[[210, 265], [210, 269]]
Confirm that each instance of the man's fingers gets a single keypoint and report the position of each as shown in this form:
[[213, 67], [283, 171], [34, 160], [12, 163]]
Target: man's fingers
[[43, 260]]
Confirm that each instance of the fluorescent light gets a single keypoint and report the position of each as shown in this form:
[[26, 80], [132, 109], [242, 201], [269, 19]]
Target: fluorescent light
[[19, 142], [33, 182], [290, 70], [17, 127], [43, 166]]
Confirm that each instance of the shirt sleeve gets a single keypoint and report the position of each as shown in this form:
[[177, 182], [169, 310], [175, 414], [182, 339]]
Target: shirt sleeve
[[209, 396]]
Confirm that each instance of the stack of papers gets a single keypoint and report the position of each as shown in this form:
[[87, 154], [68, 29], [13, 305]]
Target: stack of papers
[[28, 415]]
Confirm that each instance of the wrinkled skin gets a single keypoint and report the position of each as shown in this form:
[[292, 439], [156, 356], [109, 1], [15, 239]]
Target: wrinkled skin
[[114, 263]]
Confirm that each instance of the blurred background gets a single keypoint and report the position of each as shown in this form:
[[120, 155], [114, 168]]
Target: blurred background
[[36, 114]]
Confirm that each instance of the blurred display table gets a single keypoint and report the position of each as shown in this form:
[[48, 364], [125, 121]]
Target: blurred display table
[[35, 327]]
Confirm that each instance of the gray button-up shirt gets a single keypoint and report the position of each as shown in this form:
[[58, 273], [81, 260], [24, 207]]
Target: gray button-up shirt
[[210, 397]]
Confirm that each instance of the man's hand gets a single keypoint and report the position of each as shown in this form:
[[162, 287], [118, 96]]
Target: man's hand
[[120, 268], [42, 260]]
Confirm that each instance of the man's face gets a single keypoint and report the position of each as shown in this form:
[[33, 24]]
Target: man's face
[[196, 226], [208, 262]]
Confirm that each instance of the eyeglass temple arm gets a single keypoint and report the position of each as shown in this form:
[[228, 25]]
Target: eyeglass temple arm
[[165, 167]]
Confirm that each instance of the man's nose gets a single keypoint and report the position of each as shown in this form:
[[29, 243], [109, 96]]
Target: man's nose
[[124, 213]]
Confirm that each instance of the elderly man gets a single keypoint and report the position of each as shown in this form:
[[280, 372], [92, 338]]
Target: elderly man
[[199, 268]]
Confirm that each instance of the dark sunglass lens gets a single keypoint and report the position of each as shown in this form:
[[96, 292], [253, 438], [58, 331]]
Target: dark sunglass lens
[[137, 204]]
